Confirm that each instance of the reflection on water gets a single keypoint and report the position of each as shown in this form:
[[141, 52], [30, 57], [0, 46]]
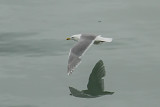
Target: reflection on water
[[95, 84]]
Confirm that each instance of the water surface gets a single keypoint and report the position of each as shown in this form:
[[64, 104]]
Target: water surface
[[34, 52]]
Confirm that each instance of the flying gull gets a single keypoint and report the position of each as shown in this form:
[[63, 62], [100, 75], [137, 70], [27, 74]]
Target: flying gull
[[84, 41]]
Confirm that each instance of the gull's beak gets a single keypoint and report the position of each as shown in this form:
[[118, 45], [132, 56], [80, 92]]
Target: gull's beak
[[68, 38]]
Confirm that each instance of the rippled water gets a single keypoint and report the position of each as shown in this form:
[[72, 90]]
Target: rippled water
[[34, 52]]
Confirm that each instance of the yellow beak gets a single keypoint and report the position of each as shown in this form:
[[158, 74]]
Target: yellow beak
[[68, 38]]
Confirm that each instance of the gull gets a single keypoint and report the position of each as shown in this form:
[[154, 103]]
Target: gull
[[84, 41]]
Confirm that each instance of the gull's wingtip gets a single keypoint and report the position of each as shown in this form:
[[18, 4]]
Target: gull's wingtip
[[100, 61], [68, 73]]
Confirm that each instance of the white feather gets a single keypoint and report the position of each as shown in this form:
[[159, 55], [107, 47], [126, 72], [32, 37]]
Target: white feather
[[102, 39]]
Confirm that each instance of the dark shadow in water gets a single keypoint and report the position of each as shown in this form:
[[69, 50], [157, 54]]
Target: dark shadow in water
[[95, 85]]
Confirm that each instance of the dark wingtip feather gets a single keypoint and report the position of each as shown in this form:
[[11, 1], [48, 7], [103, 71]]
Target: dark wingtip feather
[[98, 70]]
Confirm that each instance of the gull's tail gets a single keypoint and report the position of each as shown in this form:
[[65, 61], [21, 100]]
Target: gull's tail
[[107, 39], [102, 39]]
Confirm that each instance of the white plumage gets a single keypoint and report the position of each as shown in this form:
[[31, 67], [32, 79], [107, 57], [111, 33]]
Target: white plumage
[[84, 41]]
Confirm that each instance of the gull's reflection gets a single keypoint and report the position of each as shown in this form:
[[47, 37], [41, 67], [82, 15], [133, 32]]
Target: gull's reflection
[[95, 84]]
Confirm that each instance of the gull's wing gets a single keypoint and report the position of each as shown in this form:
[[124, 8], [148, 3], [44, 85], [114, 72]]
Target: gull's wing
[[78, 50], [74, 91], [78, 93], [96, 83]]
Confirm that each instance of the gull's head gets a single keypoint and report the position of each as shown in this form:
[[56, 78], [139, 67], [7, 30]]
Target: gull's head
[[74, 37]]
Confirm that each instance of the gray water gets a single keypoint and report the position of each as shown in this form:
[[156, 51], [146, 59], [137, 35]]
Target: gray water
[[34, 52]]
